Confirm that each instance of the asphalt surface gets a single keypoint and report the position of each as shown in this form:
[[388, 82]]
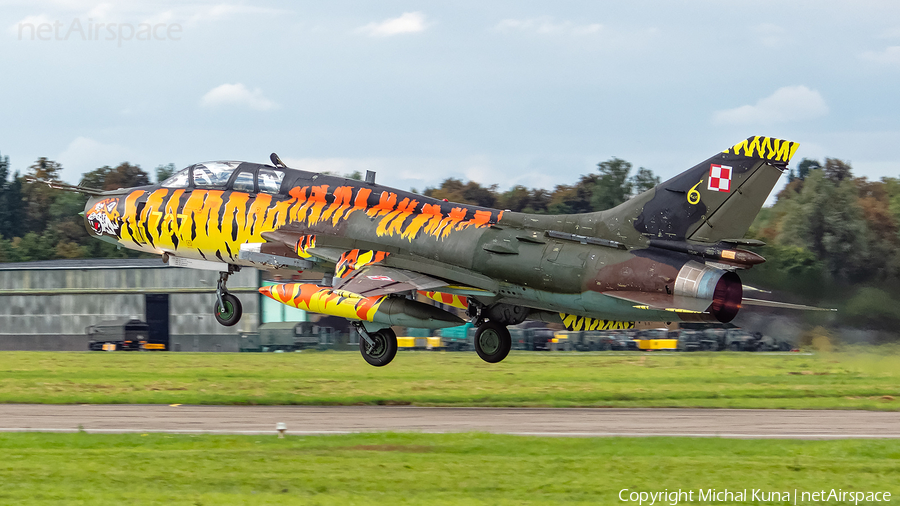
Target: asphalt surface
[[314, 420]]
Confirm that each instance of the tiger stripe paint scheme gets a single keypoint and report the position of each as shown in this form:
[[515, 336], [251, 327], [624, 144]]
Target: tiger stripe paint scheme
[[355, 259], [324, 300], [214, 223], [573, 267], [578, 323], [767, 148], [449, 299], [383, 309]]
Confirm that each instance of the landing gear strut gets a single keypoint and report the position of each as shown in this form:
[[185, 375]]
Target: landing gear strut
[[228, 308], [492, 342], [377, 348]]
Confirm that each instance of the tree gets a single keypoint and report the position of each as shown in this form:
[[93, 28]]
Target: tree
[[837, 170], [805, 166], [613, 186], [126, 175], [44, 169], [96, 178], [38, 196], [826, 218], [516, 199], [473, 193], [164, 172], [567, 199], [64, 220], [644, 180], [5, 204]]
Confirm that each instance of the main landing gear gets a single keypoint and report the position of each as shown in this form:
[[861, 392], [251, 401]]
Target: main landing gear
[[492, 340], [228, 308], [377, 348]]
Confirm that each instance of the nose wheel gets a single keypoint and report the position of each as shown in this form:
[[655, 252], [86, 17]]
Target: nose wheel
[[228, 309], [492, 342], [377, 348]]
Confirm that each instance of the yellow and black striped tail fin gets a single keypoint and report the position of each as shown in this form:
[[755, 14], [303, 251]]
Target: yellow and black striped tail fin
[[716, 199]]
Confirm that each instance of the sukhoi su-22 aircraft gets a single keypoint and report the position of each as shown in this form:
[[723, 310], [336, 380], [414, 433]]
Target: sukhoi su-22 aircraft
[[669, 254]]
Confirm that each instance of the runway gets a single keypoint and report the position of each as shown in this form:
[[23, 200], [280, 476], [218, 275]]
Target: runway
[[564, 422]]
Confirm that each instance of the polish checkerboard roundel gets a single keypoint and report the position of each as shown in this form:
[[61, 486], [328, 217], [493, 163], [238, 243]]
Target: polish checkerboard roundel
[[719, 178]]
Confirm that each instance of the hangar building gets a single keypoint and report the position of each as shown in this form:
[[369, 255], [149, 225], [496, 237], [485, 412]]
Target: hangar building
[[47, 305]]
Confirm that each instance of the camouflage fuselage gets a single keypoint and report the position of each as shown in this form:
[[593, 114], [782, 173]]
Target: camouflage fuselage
[[549, 263]]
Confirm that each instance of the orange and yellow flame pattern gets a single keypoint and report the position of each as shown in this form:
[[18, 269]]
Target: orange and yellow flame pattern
[[354, 259], [323, 300], [304, 244], [447, 298], [216, 222]]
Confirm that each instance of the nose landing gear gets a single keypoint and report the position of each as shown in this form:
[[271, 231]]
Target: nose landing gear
[[228, 309], [377, 348]]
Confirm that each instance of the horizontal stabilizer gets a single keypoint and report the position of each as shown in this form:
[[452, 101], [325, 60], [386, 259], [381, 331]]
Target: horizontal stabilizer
[[782, 305], [662, 301]]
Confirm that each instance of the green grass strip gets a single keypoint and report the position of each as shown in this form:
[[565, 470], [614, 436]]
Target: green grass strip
[[441, 469], [865, 380]]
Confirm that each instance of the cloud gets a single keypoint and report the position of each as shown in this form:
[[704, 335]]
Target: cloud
[[890, 56], [547, 26], [85, 154], [890, 33], [791, 103], [215, 12], [26, 26], [408, 22], [139, 12], [770, 35], [238, 95]]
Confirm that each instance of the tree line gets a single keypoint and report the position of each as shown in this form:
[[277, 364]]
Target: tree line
[[829, 232], [42, 223], [833, 236]]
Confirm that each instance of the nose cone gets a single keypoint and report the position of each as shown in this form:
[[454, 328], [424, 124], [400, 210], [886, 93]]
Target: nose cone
[[102, 218]]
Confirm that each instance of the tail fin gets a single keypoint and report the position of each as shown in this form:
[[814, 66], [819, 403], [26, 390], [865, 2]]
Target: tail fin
[[717, 199]]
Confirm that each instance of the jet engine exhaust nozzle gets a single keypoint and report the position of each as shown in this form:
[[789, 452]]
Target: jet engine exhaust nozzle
[[722, 288]]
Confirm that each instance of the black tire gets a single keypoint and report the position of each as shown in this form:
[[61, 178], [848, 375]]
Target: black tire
[[231, 313], [384, 350], [492, 342]]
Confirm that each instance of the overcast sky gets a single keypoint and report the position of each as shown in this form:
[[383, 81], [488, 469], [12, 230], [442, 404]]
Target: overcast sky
[[531, 93]]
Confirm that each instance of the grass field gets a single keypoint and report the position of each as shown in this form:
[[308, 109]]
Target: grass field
[[863, 380], [421, 468]]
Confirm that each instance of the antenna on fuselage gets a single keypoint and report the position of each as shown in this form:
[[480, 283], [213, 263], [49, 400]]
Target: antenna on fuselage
[[277, 161]]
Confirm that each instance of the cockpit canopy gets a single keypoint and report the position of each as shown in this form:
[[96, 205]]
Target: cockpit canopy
[[237, 176]]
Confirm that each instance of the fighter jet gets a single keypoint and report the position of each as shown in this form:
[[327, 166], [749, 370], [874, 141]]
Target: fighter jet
[[671, 253]]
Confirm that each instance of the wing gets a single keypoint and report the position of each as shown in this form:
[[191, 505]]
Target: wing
[[373, 280], [372, 272]]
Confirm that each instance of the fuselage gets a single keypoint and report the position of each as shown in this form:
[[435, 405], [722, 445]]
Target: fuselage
[[560, 263]]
